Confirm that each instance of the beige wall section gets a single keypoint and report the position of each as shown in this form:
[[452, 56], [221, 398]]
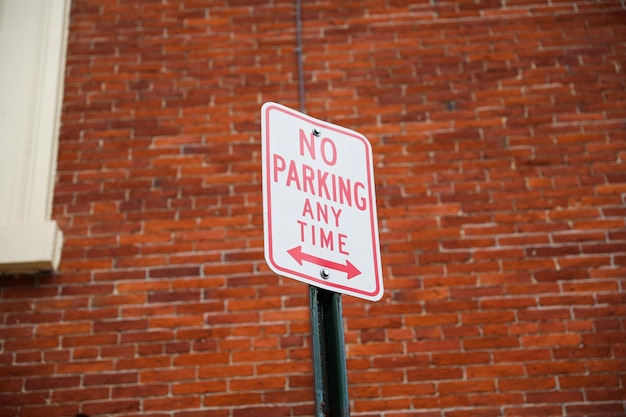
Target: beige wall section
[[33, 36]]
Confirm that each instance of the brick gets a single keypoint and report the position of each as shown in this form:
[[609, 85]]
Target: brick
[[549, 410], [555, 368], [143, 363], [491, 343], [110, 407], [265, 383], [186, 388], [553, 340], [155, 390], [380, 405], [440, 373], [605, 394], [614, 409], [13, 399], [475, 411], [78, 395], [555, 397], [231, 399], [256, 411], [487, 317], [460, 358], [37, 410], [555, 275], [446, 388], [523, 384], [589, 381], [110, 378], [84, 367], [62, 329], [497, 134], [433, 346], [431, 319]]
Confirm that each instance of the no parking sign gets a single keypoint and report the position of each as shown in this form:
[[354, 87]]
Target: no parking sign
[[319, 201]]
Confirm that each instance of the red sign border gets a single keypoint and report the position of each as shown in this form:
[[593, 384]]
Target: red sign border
[[378, 292]]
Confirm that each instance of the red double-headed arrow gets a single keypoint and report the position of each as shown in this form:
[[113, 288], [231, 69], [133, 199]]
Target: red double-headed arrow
[[300, 256]]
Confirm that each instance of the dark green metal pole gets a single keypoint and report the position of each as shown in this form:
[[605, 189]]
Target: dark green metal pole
[[329, 354]]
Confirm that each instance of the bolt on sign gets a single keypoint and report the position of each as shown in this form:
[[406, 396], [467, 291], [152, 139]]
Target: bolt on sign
[[319, 203]]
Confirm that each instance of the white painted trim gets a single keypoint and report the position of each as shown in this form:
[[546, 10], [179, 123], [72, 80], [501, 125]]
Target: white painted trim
[[30, 247], [33, 39]]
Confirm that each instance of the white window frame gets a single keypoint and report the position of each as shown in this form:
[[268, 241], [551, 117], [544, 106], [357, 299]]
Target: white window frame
[[33, 41]]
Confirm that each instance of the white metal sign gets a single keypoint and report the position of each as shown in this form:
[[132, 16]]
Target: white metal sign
[[319, 201]]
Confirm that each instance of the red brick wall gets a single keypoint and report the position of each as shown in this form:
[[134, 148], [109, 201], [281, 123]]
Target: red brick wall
[[499, 132]]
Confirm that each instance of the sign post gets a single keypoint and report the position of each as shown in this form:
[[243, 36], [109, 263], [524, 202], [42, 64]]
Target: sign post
[[321, 227], [329, 354]]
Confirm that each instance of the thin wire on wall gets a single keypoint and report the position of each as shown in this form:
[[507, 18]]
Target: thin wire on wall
[[299, 54]]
